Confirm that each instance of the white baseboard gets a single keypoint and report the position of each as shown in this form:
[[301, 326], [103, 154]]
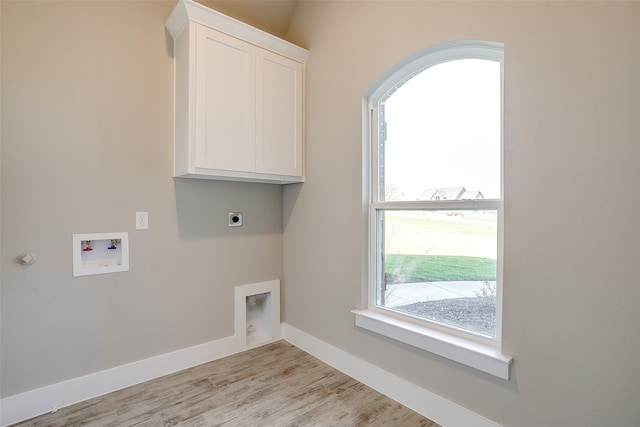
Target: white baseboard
[[422, 401], [40, 401]]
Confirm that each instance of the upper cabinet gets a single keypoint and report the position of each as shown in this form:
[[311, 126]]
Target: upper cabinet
[[239, 97]]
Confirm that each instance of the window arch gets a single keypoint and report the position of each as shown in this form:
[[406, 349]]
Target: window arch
[[436, 192]]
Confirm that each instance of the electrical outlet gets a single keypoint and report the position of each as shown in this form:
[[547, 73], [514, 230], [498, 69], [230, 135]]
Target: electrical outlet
[[235, 219], [142, 220]]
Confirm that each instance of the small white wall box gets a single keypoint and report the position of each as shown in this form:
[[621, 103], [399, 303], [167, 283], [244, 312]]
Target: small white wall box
[[100, 253], [257, 313]]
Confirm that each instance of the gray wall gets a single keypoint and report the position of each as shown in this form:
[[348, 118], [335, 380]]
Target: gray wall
[[572, 222], [86, 142], [87, 127]]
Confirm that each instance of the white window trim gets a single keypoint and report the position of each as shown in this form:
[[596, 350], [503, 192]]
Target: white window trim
[[462, 350], [477, 352]]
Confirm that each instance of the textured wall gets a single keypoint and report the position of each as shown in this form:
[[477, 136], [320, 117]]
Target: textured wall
[[572, 221], [87, 105]]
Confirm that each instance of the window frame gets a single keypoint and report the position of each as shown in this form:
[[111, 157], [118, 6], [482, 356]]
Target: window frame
[[445, 340]]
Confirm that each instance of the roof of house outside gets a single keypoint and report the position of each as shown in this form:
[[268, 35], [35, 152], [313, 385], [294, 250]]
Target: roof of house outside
[[451, 193]]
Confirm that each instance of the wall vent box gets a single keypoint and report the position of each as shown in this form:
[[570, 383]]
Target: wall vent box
[[257, 311], [100, 253]]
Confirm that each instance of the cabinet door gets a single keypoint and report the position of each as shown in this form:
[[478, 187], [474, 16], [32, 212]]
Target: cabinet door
[[225, 102], [278, 115]]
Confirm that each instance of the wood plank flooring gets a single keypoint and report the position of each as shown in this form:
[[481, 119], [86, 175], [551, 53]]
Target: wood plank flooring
[[275, 385]]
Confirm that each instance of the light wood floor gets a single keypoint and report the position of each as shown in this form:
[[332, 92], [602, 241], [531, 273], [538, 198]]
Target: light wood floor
[[274, 385]]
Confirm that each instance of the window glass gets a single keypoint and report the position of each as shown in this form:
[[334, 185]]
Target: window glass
[[440, 265], [437, 190], [443, 132]]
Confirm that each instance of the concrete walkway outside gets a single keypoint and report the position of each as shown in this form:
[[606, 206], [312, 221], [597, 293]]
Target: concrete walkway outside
[[408, 293]]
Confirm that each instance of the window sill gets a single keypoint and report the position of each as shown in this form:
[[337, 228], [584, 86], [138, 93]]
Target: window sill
[[476, 355]]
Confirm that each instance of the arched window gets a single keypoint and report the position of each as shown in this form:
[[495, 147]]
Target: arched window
[[436, 197]]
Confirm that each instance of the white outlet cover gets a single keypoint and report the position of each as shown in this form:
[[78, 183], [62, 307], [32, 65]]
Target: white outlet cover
[[142, 220]]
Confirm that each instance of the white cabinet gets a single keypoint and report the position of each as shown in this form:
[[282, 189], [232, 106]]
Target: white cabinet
[[238, 99], [279, 115], [225, 102]]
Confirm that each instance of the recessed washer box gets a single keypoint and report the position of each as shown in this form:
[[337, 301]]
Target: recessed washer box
[[100, 253], [257, 313]]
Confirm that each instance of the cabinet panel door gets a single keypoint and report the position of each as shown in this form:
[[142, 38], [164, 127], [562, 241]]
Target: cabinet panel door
[[279, 115], [225, 102]]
